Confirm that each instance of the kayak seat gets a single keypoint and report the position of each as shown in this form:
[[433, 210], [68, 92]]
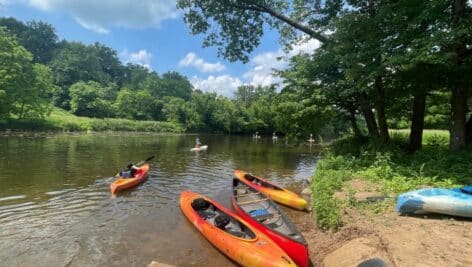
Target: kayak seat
[[234, 232], [206, 214]]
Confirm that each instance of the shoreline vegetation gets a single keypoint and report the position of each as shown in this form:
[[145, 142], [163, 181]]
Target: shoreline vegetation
[[354, 192], [61, 120], [388, 168]]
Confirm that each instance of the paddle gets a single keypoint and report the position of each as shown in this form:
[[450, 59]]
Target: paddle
[[144, 161], [139, 163]]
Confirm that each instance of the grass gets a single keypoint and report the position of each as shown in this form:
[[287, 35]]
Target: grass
[[388, 166], [60, 120]]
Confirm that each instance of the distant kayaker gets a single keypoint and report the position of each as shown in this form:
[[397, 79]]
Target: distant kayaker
[[197, 143], [130, 171]]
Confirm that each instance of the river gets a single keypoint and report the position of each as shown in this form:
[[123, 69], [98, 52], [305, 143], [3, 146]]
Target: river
[[56, 208]]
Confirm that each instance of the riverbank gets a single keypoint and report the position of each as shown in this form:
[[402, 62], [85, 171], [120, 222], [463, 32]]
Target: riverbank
[[354, 191], [60, 120]]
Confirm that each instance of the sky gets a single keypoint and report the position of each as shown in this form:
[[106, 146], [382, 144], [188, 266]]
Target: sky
[[152, 33]]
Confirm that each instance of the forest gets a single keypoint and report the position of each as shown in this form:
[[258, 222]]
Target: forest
[[381, 65]]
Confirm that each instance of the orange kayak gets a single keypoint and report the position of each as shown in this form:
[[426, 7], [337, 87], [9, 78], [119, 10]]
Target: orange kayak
[[235, 237], [275, 192], [124, 183]]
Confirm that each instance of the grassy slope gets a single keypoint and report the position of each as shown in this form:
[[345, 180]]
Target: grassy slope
[[389, 167], [64, 121]]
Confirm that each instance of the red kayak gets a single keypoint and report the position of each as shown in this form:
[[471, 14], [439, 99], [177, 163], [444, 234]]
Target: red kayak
[[125, 183], [262, 213]]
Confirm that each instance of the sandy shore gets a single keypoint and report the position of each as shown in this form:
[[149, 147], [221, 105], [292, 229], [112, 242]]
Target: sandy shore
[[398, 240]]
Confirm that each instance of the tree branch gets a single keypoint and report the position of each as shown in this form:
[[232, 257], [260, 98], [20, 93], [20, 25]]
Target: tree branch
[[297, 25]]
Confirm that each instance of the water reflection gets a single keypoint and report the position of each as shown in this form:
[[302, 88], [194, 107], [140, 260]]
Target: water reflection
[[56, 209]]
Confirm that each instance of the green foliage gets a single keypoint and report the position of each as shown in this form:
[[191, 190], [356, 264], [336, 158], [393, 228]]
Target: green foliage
[[38, 38], [24, 86], [325, 182], [176, 85], [89, 100], [78, 62], [388, 166]]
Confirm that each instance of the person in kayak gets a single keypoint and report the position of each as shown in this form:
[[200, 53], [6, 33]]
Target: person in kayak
[[130, 171], [197, 143]]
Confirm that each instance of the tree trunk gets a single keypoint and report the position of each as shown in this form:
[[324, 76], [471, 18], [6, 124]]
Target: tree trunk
[[457, 128], [468, 128], [368, 115], [380, 107], [417, 121], [352, 118]]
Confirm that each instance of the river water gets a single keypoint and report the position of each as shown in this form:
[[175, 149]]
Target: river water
[[56, 208]]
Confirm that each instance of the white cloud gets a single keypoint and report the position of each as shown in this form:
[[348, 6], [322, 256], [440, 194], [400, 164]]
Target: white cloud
[[263, 65], [262, 69], [260, 73], [191, 59], [91, 26], [222, 85], [99, 15], [305, 46], [141, 57]]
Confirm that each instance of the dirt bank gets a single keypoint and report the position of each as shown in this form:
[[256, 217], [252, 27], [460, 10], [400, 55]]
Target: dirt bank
[[398, 240]]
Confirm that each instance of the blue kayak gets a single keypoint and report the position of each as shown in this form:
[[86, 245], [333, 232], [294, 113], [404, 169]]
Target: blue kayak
[[454, 202]]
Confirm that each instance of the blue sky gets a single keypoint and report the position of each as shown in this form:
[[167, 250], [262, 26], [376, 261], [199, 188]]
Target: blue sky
[[152, 33]]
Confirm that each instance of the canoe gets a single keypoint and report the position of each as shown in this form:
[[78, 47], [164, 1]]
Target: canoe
[[238, 240], [200, 148], [262, 213], [275, 192], [436, 200], [124, 183]]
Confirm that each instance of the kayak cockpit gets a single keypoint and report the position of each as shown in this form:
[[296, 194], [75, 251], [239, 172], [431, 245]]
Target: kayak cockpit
[[214, 216]]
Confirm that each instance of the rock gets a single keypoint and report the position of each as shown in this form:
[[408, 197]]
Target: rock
[[361, 196], [353, 252], [369, 197], [159, 264], [306, 191], [374, 262]]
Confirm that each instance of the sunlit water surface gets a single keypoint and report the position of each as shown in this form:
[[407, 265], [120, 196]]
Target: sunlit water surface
[[56, 208]]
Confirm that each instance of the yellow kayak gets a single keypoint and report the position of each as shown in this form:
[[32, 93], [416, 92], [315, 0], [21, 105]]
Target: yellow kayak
[[275, 192]]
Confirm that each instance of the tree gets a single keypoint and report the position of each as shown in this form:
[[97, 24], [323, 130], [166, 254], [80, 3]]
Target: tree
[[35, 101], [241, 23], [110, 63], [89, 99], [78, 62], [125, 104], [175, 84], [245, 94], [24, 87], [174, 109], [39, 38]]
